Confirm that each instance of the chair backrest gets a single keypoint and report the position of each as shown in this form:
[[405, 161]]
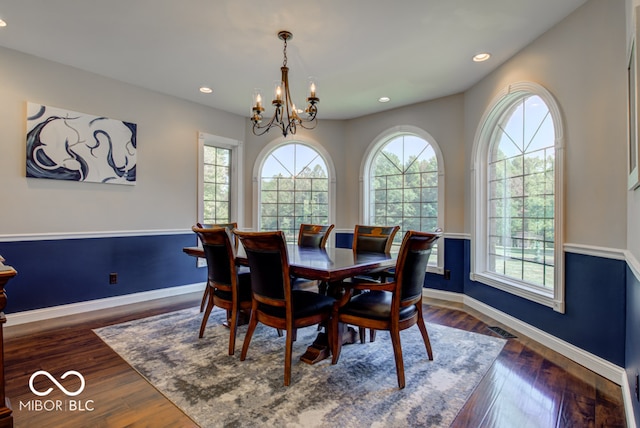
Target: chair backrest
[[269, 265], [411, 265], [374, 239], [229, 226], [218, 252], [314, 235]]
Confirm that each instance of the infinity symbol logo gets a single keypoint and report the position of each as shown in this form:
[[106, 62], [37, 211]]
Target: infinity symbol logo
[[62, 388]]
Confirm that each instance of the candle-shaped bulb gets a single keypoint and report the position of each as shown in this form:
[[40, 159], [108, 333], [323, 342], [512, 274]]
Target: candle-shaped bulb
[[313, 89], [257, 99]]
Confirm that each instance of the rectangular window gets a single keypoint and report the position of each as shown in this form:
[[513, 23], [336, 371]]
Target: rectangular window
[[216, 184], [219, 179]]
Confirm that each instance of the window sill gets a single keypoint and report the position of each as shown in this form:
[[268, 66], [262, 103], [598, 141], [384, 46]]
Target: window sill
[[519, 289], [435, 269]]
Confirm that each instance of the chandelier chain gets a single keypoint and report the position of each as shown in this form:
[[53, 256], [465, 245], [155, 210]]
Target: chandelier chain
[[284, 52]]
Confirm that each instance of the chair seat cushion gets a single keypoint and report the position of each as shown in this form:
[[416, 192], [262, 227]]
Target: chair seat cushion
[[375, 304], [305, 303], [244, 286]]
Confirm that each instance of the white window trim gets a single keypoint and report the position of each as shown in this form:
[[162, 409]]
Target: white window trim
[[365, 171], [479, 189], [237, 162], [262, 157]]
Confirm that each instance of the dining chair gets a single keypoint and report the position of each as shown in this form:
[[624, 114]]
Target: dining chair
[[373, 239], [229, 286], [392, 306], [314, 235], [229, 227], [274, 302]]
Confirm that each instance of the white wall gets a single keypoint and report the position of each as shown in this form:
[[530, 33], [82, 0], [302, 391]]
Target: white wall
[[581, 61], [165, 194]]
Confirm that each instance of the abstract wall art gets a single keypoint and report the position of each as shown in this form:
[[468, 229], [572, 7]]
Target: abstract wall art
[[66, 145]]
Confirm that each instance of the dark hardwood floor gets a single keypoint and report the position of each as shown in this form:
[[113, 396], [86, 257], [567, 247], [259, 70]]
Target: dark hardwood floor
[[528, 385]]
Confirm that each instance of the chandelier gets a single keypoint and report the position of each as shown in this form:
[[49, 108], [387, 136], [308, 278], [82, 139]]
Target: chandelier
[[286, 116]]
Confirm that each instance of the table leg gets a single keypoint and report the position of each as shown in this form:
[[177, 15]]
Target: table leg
[[320, 350], [243, 318]]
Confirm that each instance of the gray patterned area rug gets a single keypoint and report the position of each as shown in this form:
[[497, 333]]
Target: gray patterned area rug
[[216, 389]]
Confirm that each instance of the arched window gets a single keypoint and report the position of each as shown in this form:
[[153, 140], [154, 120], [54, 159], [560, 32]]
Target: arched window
[[402, 184], [294, 187], [518, 218]]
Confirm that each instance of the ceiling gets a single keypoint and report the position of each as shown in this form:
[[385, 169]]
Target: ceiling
[[357, 50]]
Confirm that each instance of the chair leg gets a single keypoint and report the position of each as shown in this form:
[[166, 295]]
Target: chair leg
[[253, 322], [207, 312], [372, 335], [205, 295], [423, 331], [233, 329], [329, 333], [336, 338], [362, 333], [397, 353], [287, 357]]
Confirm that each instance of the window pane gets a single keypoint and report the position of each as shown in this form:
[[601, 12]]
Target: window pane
[[521, 195], [216, 185]]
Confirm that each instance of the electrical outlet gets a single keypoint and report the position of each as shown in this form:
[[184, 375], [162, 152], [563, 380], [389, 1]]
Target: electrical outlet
[[113, 278], [447, 274]]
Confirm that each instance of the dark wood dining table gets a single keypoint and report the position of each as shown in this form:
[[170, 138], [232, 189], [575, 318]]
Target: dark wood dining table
[[329, 266]]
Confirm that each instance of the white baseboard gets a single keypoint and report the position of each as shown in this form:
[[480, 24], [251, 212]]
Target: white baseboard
[[628, 403], [443, 295], [594, 363], [93, 305]]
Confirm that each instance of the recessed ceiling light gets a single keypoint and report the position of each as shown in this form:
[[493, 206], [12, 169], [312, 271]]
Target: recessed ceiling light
[[2, 23], [206, 90], [384, 99], [481, 57]]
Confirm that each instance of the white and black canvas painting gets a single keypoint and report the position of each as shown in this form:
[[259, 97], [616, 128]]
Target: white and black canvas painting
[[66, 145]]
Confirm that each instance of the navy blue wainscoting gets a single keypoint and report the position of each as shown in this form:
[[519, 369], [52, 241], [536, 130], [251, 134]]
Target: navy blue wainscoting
[[454, 263], [633, 339], [594, 318], [344, 239], [63, 271]]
